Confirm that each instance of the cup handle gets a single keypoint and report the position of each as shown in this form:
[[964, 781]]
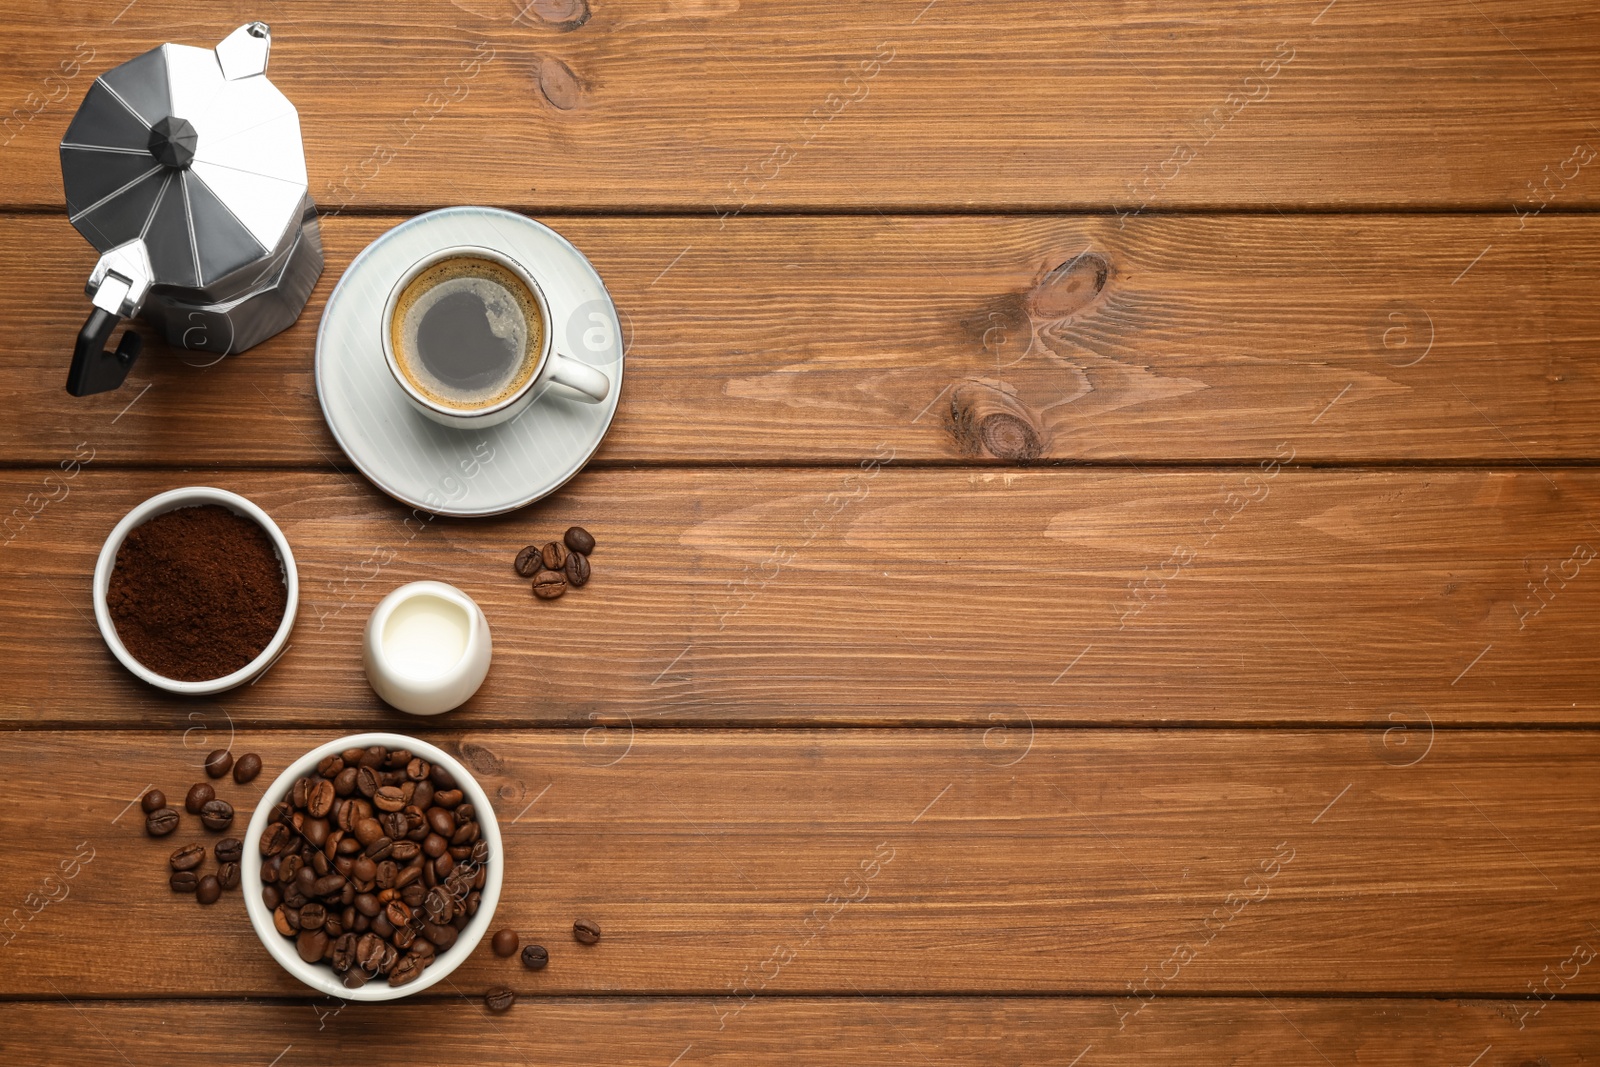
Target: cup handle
[[591, 385]]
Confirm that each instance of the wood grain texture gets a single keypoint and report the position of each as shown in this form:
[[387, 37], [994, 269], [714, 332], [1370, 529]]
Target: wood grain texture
[[891, 596], [737, 864], [771, 104], [806, 341], [829, 1032]]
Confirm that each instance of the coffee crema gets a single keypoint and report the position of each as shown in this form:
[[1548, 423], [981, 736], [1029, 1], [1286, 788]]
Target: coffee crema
[[467, 333]]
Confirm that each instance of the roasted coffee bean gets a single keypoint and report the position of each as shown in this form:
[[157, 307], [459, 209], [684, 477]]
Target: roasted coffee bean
[[412, 895], [344, 953], [208, 890], [547, 585], [388, 870], [183, 881], [217, 815], [579, 540], [441, 821], [480, 852], [187, 857], [448, 798], [344, 783], [228, 875], [394, 823], [443, 865], [499, 999], [199, 795], [311, 944], [282, 811], [409, 966], [586, 931], [388, 798], [219, 763], [416, 823], [441, 776], [417, 770], [396, 758], [407, 876], [312, 916], [535, 958], [275, 838], [472, 903], [300, 792], [367, 781], [152, 800], [422, 797], [553, 556], [330, 765], [368, 831], [380, 848], [229, 850], [433, 845], [348, 846], [161, 822], [404, 936], [320, 801], [315, 831], [397, 912], [289, 867], [440, 936], [464, 814], [372, 757], [328, 883], [405, 851], [465, 834], [292, 897], [576, 569], [527, 561], [304, 881], [354, 978], [367, 904], [505, 943], [351, 756], [270, 896], [247, 768]]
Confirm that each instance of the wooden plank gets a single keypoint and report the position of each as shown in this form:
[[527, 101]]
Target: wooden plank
[[948, 340], [897, 596], [833, 1031], [731, 864], [743, 105]]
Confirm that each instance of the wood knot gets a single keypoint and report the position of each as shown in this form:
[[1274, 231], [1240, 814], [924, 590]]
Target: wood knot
[[986, 418], [559, 85], [564, 15], [1070, 288], [482, 762]]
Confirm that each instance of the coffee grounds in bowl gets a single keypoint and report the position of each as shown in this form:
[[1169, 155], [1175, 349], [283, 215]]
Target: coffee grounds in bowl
[[197, 593]]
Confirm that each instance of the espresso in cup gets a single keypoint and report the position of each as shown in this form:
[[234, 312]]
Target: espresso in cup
[[467, 333]]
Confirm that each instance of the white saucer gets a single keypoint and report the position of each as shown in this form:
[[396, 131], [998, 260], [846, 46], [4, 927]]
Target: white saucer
[[465, 472]]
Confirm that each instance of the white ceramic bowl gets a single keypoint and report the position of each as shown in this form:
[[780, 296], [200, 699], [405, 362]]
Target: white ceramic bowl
[[441, 692], [320, 976], [172, 500]]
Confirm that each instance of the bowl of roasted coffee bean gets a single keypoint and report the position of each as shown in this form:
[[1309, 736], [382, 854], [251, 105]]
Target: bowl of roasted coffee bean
[[372, 866], [195, 591]]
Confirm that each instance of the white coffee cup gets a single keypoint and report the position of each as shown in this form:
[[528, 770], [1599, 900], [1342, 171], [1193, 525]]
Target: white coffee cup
[[585, 382]]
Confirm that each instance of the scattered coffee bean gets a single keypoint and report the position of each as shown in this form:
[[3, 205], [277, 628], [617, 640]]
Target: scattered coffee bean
[[217, 815], [208, 890], [579, 540], [499, 999], [228, 875], [505, 943], [535, 958], [547, 585], [187, 857], [528, 561], [152, 800], [247, 768], [199, 795], [161, 822], [219, 763], [553, 556], [577, 569], [229, 850], [586, 931], [183, 881]]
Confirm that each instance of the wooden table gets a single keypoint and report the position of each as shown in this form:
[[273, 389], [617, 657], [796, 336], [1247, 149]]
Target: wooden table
[[1094, 552]]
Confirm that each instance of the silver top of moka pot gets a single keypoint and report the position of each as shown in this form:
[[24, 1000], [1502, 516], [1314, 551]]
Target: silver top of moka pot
[[194, 152]]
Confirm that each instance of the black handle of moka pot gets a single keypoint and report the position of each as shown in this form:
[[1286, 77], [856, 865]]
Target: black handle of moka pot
[[94, 370]]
